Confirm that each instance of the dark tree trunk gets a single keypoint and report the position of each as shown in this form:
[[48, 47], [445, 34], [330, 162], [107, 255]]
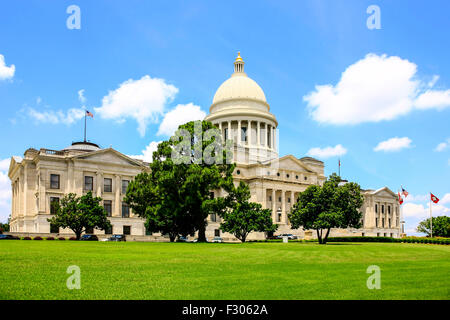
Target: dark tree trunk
[[319, 236], [78, 234], [326, 236], [172, 237], [202, 233]]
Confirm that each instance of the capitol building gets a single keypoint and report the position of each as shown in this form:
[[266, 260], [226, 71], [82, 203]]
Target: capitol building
[[241, 112]]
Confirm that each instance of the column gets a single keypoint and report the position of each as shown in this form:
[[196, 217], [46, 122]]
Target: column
[[249, 135], [269, 139], [239, 135], [25, 188], [229, 130], [283, 206], [258, 133], [274, 208], [117, 206], [99, 184], [264, 199], [274, 138], [220, 128]]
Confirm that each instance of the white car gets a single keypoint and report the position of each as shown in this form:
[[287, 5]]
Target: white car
[[217, 239]]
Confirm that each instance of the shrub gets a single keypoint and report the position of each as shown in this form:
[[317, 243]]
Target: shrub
[[26, 238], [37, 238], [50, 238], [61, 238], [72, 238]]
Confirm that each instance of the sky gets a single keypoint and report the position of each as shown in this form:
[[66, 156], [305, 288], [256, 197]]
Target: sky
[[369, 86]]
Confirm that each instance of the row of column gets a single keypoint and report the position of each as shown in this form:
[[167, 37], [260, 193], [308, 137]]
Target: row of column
[[283, 207], [269, 139], [393, 215]]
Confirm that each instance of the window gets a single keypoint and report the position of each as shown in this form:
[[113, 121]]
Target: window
[[54, 181], [392, 235], [244, 134], [279, 217], [376, 222], [378, 234], [382, 208], [397, 222], [389, 209], [270, 198], [289, 200], [109, 230], [107, 204], [376, 208], [125, 184], [238, 172], [125, 210], [278, 174], [385, 234], [216, 233], [213, 217], [296, 177], [279, 199], [88, 183], [287, 175], [225, 135], [306, 178], [389, 221], [54, 201], [382, 222], [362, 234], [107, 185], [127, 230]]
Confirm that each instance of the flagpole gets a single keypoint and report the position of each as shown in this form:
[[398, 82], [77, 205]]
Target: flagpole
[[431, 218], [339, 164], [84, 126]]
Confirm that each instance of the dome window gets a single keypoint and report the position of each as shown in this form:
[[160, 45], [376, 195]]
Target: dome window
[[238, 172]]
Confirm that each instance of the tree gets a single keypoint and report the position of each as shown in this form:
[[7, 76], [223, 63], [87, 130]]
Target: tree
[[174, 197], [441, 226], [80, 214], [4, 227], [241, 216], [329, 206]]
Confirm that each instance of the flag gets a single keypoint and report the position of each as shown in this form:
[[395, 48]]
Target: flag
[[400, 199], [434, 198], [404, 192], [89, 114]]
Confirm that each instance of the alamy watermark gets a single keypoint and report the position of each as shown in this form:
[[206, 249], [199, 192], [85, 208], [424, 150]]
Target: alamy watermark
[[74, 20], [374, 20], [74, 280], [374, 280]]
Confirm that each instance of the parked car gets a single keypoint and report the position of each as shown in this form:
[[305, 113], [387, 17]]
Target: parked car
[[182, 239], [196, 240], [273, 237], [89, 237], [217, 239], [8, 237], [117, 237], [289, 235]]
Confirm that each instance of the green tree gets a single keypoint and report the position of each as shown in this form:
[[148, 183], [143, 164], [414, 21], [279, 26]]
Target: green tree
[[80, 214], [441, 227], [241, 216], [174, 197], [329, 206], [4, 227]]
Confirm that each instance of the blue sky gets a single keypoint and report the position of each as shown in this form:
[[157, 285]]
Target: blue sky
[[386, 85]]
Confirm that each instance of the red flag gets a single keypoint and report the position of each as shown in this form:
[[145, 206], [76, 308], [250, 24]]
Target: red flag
[[434, 198], [400, 199], [89, 114]]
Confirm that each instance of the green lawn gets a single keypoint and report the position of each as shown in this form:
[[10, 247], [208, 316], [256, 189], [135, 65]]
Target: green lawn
[[132, 270]]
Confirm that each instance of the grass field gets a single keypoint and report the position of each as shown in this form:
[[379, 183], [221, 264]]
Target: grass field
[[132, 270]]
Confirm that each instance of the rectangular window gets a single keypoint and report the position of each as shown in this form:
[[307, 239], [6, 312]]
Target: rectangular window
[[88, 183], [378, 234], [107, 185], [389, 221], [376, 222], [279, 199], [127, 230], [270, 198], [125, 184], [125, 210], [107, 204], [216, 233], [389, 209], [376, 208], [382, 222], [244, 134], [385, 234], [362, 234], [54, 181], [392, 235], [382, 208], [213, 217], [54, 201], [225, 134]]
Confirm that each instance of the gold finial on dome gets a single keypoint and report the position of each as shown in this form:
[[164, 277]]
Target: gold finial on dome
[[239, 64], [238, 57]]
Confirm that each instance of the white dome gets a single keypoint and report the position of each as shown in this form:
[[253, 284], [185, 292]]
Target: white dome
[[237, 87]]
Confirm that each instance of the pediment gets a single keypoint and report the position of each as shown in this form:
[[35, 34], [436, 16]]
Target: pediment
[[384, 192], [109, 156], [290, 163]]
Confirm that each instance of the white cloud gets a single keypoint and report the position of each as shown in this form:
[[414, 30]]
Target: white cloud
[[433, 99], [327, 152], [445, 199], [393, 144], [433, 81], [5, 71], [55, 117], [413, 210], [144, 100], [181, 114], [81, 96], [373, 89], [443, 145], [4, 164], [147, 153]]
